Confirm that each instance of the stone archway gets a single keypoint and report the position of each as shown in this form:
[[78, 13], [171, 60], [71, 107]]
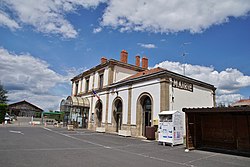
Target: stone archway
[[117, 114], [144, 113], [98, 113]]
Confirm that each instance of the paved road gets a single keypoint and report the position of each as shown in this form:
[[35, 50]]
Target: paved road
[[57, 147]]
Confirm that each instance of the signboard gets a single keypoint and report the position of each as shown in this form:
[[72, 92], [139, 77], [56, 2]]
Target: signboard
[[182, 85]]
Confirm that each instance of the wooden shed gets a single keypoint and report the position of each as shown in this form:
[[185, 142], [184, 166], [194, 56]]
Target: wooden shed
[[25, 109], [222, 128]]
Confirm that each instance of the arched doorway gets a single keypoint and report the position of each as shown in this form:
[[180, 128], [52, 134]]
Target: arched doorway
[[98, 110], [144, 114], [117, 114]]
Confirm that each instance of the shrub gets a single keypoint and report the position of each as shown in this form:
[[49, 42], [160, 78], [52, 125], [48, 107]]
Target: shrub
[[3, 110]]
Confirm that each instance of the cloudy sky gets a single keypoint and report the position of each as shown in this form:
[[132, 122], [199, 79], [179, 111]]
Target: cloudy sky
[[44, 43]]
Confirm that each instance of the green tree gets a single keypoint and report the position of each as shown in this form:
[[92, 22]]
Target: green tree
[[3, 110], [3, 97]]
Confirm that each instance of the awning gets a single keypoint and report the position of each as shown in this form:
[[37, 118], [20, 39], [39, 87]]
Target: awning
[[52, 113], [77, 101], [167, 112]]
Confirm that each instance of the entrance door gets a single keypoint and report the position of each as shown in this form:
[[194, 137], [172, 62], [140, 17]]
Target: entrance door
[[99, 113], [146, 114], [85, 117], [118, 115]]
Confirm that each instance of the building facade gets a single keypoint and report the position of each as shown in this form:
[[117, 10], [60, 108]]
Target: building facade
[[121, 97], [24, 109]]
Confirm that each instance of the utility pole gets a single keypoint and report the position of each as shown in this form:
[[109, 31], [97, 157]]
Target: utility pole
[[184, 55], [184, 65]]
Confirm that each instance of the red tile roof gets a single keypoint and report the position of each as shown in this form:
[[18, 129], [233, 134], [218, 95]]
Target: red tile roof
[[243, 102], [146, 72]]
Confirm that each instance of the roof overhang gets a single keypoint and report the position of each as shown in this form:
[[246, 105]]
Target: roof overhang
[[217, 110], [167, 112], [76, 102]]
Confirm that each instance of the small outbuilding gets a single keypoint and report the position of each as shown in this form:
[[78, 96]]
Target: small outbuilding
[[241, 103], [222, 128], [24, 109]]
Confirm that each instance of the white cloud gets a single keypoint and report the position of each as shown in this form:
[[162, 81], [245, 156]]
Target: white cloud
[[46, 16], [49, 16], [148, 46], [228, 82], [43, 101], [97, 30], [171, 16], [7, 22], [31, 79], [226, 100]]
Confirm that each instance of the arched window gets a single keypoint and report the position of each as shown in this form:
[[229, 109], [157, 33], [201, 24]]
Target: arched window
[[147, 104]]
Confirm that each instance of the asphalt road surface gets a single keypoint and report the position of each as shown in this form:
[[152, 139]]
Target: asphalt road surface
[[57, 147]]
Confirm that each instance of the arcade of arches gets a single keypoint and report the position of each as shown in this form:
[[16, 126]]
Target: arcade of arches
[[144, 113]]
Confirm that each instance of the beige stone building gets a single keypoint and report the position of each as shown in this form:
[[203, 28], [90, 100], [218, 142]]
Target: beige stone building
[[124, 98]]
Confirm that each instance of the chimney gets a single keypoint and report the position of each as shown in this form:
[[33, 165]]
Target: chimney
[[124, 56], [103, 60], [137, 61], [144, 62]]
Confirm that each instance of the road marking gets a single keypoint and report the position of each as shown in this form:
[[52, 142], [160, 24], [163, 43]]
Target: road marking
[[199, 159], [151, 157], [47, 129], [96, 144], [79, 134], [47, 149], [18, 132], [107, 147], [121, 150], [146, 140]]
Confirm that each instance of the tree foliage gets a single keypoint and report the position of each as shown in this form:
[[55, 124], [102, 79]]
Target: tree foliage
[[3, 96], [3, 110]]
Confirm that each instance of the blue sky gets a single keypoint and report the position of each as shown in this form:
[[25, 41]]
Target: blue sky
[[44, 44]]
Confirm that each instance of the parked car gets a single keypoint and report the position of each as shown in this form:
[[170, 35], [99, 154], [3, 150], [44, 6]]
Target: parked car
[[13, 117], [7, 118]]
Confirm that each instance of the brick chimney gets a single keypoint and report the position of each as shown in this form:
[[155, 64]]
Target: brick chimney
[[124, 56], [144, 62], [137, 61], [103, 60]]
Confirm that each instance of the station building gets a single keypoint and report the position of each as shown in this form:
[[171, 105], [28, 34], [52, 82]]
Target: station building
[[119, 97], [24, 109]]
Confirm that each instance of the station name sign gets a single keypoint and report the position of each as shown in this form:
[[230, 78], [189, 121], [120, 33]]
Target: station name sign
[[182, 85]]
